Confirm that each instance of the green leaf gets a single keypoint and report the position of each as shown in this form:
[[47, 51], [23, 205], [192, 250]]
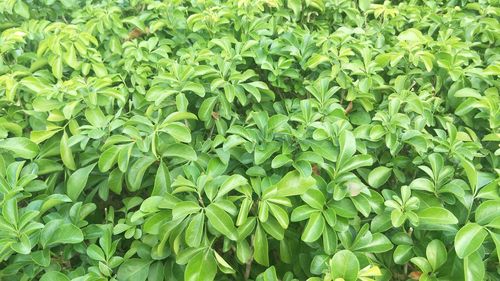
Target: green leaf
[[273, 228], [294, 184], [379, 176], [77, 181], [202, 267], [345, 208], [223, 265], [279, 214], [195, 88], [162, 183], [436, 254], [23, 246], [108, 158], [180, 150], [314, 198], [136, 172], [422, 184], [402, 254], [134, 270], [66, 153], [411, 35], [96, 117], [261, 254], [115, 180], [474, 267], [268, 275], [221, 221], [468, 239], [364, 5], [22, 9], [495, 223], [124, 158], [378, 244], [471, 173], [10, 211], [40, 136], [206, 108], [41, 258], [296, 6], [58, 232], [177, 116], [194, 231], [243, 251], [467, 93], [315, 60], [56, 62], [52, 201], [330, 241], [231, 183], [314, 227], [184, 208], [344, 264], [179, 131], [466, 106], [436, 215], [21, 147], [496, 240], [422, 263], [280, 161], [347, 144], [356, 162], [35, 84], [54, 276], [487, 211], [262, 154], [96, 253]]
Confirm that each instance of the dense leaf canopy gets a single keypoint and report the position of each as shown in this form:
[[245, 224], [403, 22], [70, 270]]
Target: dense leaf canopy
[[249, 140]]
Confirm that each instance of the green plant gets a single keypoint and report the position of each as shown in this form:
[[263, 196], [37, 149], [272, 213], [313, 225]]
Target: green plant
[[249, 140]]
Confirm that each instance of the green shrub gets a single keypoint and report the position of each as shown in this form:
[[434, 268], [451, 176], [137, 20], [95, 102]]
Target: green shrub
[[249, 140]]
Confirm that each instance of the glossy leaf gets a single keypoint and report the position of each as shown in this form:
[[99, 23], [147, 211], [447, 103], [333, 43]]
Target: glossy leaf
[[21, 147], [134, 269], [468, 239], [221, 221], [344, 264], [77, 181], [437, 215]]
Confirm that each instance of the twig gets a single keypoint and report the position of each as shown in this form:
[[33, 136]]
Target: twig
[[348, 108], [248, 267]]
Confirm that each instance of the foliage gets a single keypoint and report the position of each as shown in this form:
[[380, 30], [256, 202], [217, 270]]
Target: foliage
[[262, 140]]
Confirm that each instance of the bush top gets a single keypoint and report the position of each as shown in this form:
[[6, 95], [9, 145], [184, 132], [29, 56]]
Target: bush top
[[249, 140]]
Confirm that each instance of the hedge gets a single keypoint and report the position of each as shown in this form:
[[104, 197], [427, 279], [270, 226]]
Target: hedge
[[249, 140]]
